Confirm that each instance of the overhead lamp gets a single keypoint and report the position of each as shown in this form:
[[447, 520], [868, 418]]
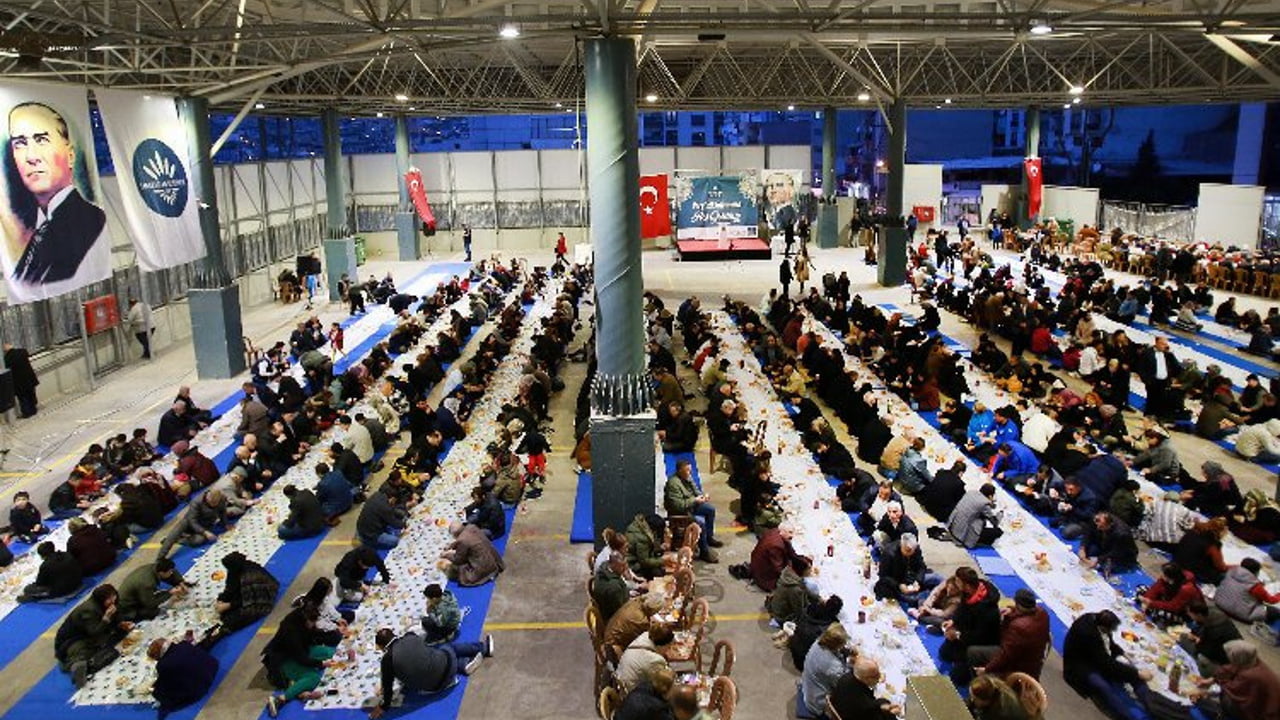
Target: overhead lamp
[[379, 114], [1075, 101], [651, 98], [413, 108], [1076, 90], [1066, 106], [1039, 27], [559, 105], [947, 101], [401, 97], [791, 108], [259, 106], [864, 96], [880, 163], [510, 32]]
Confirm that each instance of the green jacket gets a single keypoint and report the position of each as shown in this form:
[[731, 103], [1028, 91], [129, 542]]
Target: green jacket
[[645, 552], [1126, 506], [139, 593], [767, 518], [680, 496], [610, 592], [790, 598], [445, 614]]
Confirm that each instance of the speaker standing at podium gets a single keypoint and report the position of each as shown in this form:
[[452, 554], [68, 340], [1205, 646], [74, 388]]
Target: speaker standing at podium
[[24, 379]]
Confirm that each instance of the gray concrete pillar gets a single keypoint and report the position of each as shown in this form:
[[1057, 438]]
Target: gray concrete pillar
[[828, 226], [622, 422], [407, 222], [891, 245], [217, 333], [339, 247], [1251, 128]]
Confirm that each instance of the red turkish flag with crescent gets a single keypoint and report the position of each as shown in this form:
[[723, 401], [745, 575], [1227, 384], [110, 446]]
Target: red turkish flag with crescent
[[1035, 185], [655, 206], [418, 194]]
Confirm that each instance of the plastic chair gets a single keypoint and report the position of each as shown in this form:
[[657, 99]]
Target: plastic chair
[[722, 659], [724, 698]]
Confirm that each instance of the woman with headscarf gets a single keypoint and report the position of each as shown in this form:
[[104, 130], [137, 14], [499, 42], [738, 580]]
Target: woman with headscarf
[[1215, 494], [1250, 689]]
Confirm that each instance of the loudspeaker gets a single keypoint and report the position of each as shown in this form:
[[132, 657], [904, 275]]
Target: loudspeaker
[[6, 390]]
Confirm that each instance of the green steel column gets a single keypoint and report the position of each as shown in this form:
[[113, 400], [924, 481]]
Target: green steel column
[[339, 247], [622, 422], [828, 227], [406, 219], [892, 244]]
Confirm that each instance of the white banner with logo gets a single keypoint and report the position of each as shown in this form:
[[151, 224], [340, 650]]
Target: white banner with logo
[[53, 230], [149, 147]]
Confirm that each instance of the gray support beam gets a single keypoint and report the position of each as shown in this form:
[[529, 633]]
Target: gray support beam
[[891, 251], [1251, 128], [828, 227], [339, 246], [622, 423], [406, 218], [217, 333]]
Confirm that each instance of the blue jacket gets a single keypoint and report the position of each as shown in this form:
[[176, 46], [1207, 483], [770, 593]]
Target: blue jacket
[[1022, 461], [1102, 475], [335, 493], [983, 422], [1008, 432], [1083, 507]]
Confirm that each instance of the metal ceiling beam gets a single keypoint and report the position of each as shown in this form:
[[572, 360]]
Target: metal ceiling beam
[[1242, 56]]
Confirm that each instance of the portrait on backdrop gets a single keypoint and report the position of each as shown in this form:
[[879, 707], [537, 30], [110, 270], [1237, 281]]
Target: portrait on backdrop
[[53, 224]]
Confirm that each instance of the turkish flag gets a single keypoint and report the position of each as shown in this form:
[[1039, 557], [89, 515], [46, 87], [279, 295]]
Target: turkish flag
[[1035, 185], [655, 206], [418, 194]]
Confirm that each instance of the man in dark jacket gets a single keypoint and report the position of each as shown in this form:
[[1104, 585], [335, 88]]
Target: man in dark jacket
[[1159, 368], [772, 553], [59, 575], [177, 424], [91, 630], [941, 496], [1109, 545], [854, 695], [1212, 630], [184, 673], [195, 465], [423, 668], [1092, 665], [90, 546], [903, 573], [1024, 639], [335, 494], [352, 570], [608, 588], [248, 595], [24, 379], [306, 518], [975, 623], [380, 521]]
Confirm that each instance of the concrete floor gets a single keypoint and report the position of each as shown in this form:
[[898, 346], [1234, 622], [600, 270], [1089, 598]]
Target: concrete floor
[[543, 664]]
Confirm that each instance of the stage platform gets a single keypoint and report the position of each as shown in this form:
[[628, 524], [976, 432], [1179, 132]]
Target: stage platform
[[739, 249]]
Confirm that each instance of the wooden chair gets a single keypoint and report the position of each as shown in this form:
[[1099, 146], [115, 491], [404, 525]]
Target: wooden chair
[[595, 630], [724, 698], [684, 586], [692, 534], [722, 659], [591, 561], [1198, 273], [1261, 282], [1274, 292], [608, 704], [1240, 283], [687, 647], [678, 526], [684, 557], [607, 535]]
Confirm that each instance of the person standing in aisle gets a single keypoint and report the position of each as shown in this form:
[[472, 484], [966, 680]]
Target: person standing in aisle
[[562, 248], [24, 379], [466, 240], [784, 276], [140, 325]]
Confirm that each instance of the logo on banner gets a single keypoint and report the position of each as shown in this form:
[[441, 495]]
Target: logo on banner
[[160, 177]]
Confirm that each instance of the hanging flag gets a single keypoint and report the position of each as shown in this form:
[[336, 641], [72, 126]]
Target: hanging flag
[[418, 194], [655, 207], [1035, 185], [53, 229], [148, 142]]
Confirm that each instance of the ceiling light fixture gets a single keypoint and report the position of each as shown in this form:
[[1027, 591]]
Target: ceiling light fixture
[[258, 106], [510, 32], [947, 101], [864, 96], [1075, 101], [1076, 90], [401, 97], [1066, 106], [379, 114], [651, 98], [559, 105], [1040, 27], [791, 108]]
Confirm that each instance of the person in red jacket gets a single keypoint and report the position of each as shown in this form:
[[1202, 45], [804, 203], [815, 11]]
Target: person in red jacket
[[771, 554], [195, 464], [1024, 638], [1166, 602]]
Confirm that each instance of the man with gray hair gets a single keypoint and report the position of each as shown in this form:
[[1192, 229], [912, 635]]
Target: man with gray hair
[[854, 695], [609, 588], [903, 573]]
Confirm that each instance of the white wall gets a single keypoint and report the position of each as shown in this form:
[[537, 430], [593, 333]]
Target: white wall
[[922, 186], [1230, 214], [998, 197], [1077, 204]]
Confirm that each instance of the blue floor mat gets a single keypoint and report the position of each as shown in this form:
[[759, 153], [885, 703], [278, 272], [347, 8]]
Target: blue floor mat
[[50, 697], [439, 706], [583, 527]]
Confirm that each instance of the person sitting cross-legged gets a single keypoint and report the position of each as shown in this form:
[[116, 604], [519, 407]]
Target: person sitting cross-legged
[[903, 573]]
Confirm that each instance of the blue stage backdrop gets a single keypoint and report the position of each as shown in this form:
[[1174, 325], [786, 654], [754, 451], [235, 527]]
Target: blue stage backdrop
[[718, 207]]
